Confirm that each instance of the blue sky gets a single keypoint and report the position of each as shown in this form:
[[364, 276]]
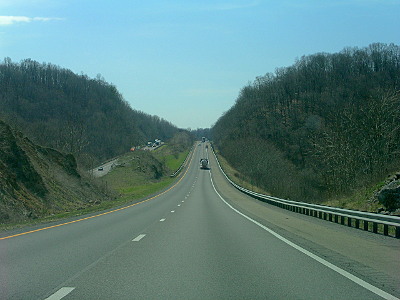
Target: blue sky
[[186, 61]]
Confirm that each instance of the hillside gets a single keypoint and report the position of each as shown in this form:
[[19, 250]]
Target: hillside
[[321, 128], [142, 172], [73, 113], [37, 181]]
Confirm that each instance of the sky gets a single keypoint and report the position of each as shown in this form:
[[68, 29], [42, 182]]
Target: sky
[[186, 61]]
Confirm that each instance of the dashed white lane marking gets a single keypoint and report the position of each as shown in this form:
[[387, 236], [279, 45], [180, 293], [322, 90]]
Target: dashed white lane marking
[[183, 201], [61, 293], [162, 220], [179, 205], [342, 272], [172, 211], [138, 238]]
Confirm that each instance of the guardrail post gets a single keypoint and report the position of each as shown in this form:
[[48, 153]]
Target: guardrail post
[[357, 223], [330, 217], [336, 218], [365, 225], [342, 220], [375, 227], [385, 229], [397, 232], [349, 221]]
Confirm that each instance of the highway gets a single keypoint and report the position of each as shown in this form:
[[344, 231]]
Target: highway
[[103, 169], [200, 239]]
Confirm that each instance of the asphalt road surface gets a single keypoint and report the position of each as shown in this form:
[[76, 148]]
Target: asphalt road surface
[[104, 168], [201, 239]]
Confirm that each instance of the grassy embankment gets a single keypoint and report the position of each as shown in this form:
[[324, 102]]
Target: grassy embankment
[[361, 199], [141, 173], [138, 174]]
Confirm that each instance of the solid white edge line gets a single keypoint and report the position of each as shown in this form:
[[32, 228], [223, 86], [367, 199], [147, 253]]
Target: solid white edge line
[[61, 293], [342, 272], [138, 238]]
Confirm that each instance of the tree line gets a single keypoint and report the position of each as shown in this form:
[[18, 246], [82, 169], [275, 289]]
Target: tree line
[[73, 113], [321, 127]]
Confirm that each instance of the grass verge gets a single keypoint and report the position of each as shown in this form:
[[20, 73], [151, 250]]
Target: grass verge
[[360, 199], [173, 162]]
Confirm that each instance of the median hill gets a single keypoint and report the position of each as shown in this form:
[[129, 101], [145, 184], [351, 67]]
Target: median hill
[[36, 181]]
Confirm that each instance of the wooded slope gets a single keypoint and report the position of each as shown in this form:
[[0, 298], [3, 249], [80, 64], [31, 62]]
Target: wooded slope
[[73, 113], [325, 125]]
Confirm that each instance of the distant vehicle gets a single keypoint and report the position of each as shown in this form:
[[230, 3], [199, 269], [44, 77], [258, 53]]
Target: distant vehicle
[[100, 169], [204, 163], [203, 139]]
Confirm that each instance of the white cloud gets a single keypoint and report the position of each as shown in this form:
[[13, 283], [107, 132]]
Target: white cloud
[[10, 20]]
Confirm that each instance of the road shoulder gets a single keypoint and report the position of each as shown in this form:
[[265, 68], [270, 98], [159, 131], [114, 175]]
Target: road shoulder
[[373, 258]]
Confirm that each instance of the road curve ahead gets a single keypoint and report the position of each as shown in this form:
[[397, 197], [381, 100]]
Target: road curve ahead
[[187, 243]]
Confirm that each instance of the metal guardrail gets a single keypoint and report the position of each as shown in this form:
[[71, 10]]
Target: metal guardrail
[[183, 164], [375, 223]]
